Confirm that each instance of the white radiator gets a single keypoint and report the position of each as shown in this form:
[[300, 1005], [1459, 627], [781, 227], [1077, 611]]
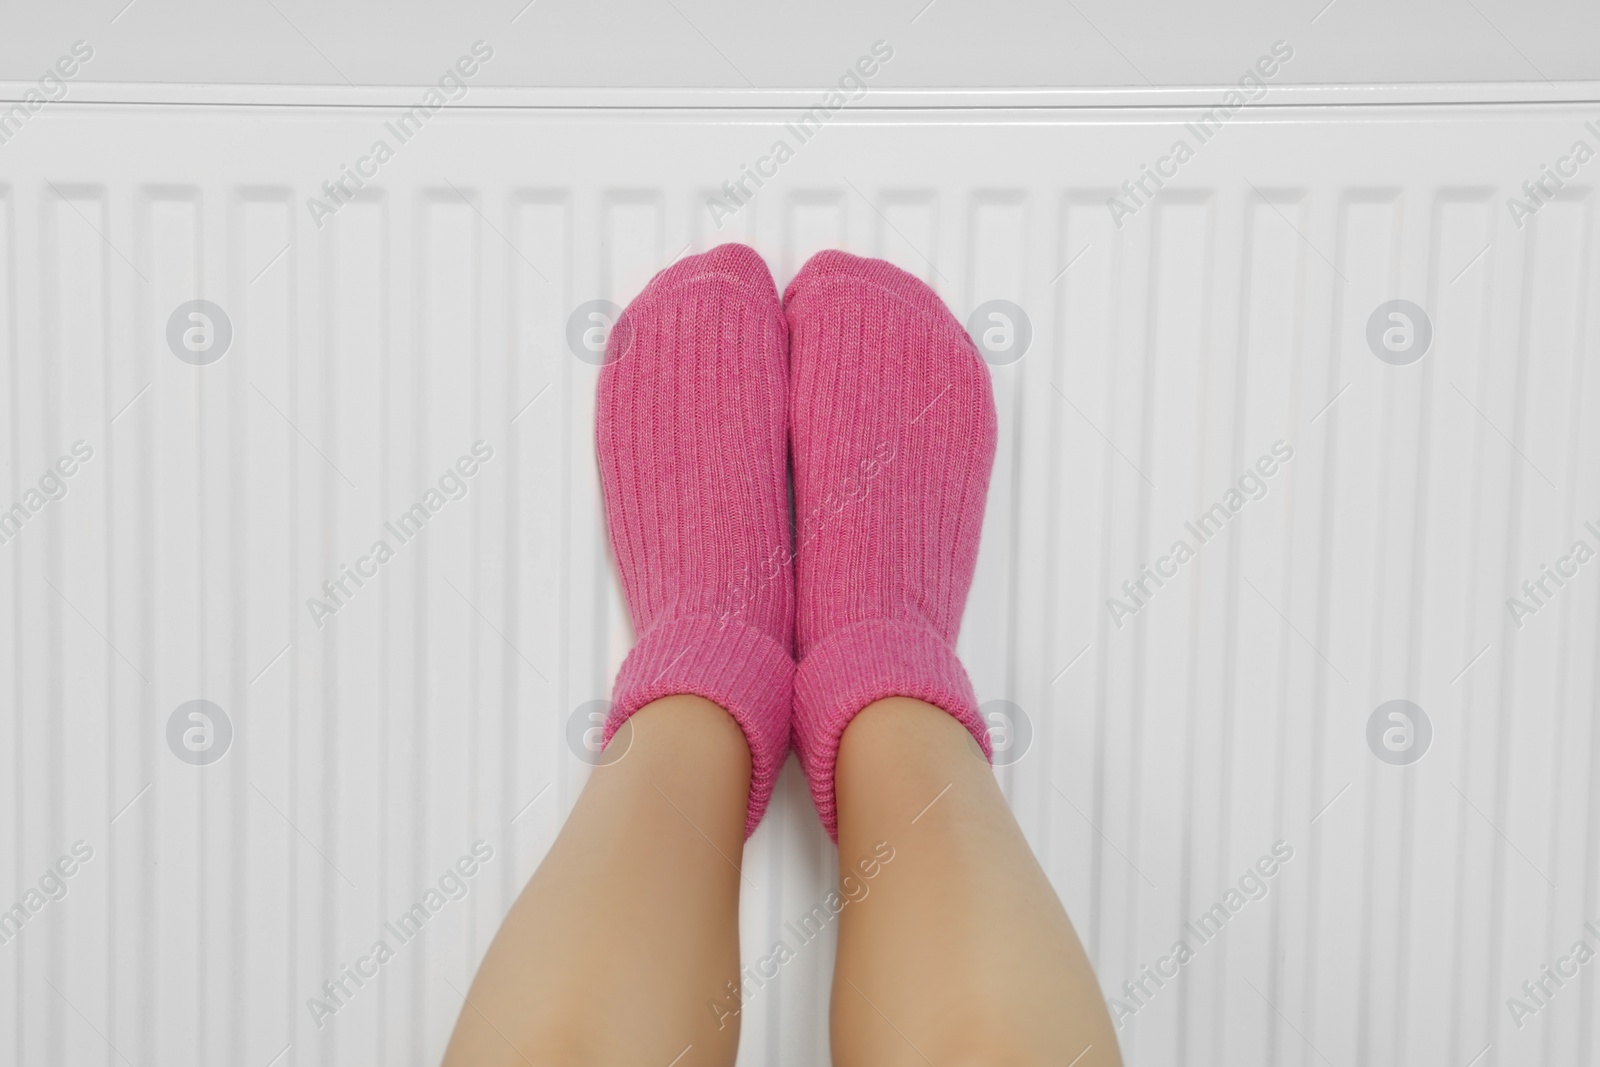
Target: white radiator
[[232, 864]]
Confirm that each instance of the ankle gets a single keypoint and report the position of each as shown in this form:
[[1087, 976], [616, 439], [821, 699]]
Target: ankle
[[911, 742], [897, 721], [684, 728]]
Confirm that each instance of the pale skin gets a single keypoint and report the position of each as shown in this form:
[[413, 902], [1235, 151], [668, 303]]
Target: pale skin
[[959, 954]]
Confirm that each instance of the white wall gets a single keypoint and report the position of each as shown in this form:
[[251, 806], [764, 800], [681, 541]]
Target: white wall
[[731, 44]]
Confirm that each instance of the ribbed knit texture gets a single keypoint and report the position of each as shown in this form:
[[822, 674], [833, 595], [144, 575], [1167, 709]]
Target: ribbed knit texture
[[892, 438], [690, 428]]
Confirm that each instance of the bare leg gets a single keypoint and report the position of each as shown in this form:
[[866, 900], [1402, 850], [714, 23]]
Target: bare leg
[[631, 924], [960, 953]]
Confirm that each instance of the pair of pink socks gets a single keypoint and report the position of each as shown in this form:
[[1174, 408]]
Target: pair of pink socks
[[864, 382]]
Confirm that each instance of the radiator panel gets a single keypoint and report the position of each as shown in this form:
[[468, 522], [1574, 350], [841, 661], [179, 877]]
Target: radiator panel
[[371, 747]]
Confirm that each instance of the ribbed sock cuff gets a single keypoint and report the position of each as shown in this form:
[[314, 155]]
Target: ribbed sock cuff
[[728, 663], [858, 665]]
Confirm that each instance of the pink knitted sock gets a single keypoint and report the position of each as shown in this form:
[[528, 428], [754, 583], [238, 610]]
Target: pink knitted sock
[[892, 435], [692, 443]]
